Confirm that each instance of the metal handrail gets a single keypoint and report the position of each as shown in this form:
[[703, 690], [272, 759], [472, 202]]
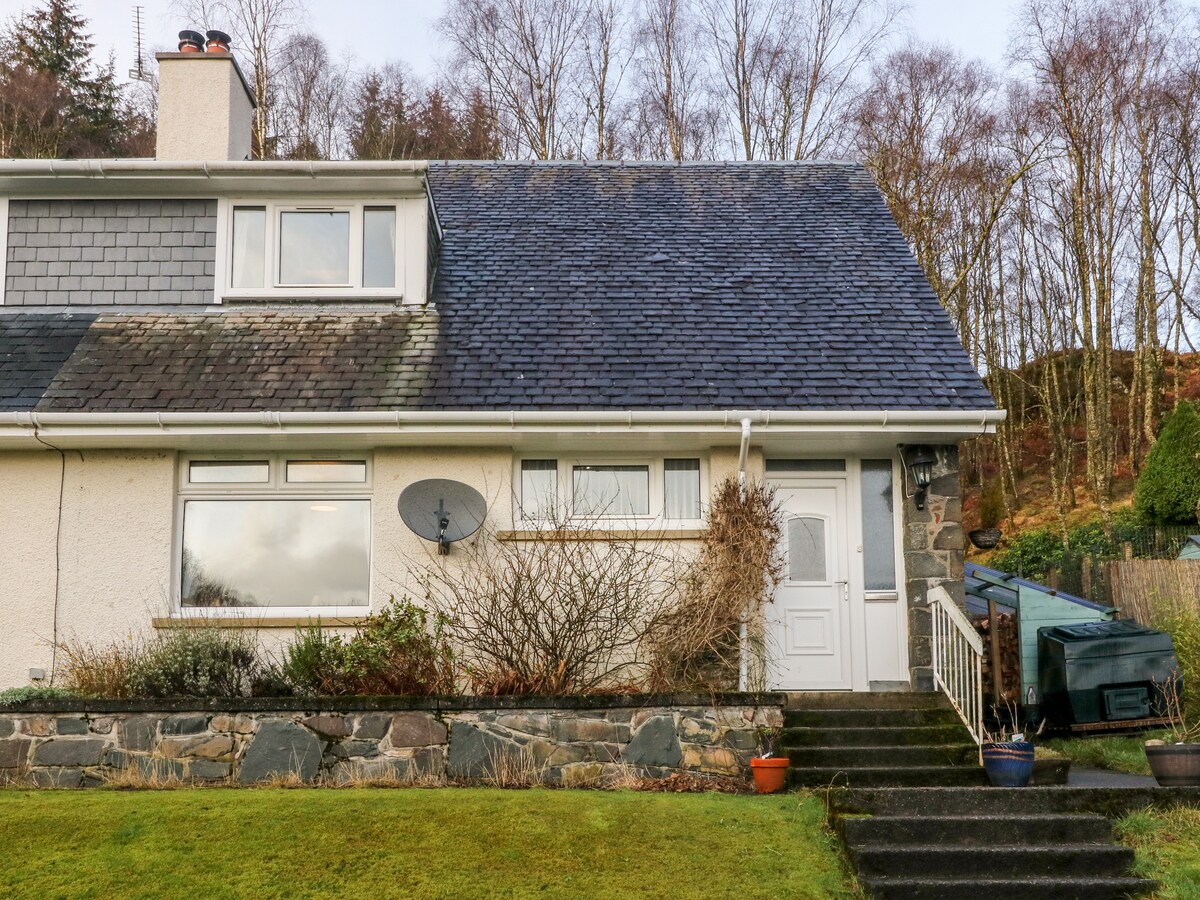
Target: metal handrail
[[958, 661]]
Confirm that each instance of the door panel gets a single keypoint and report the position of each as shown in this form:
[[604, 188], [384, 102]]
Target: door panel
[[808, 621]]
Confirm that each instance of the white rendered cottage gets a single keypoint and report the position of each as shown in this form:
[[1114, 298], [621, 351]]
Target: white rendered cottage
[[208, 363]]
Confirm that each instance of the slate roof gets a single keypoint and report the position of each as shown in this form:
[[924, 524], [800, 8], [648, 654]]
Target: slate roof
[[563, 285]]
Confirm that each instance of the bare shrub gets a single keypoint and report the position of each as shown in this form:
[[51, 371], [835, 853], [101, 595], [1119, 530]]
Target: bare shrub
[[695, 645], [564, 610], [104, 670]]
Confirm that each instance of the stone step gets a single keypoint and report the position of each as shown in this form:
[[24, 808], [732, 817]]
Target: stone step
[[974, 831], [869, 718], [875, 736], [887, 776], [865, 700], [915, 755], [1020, 888], [972, 863], [1032, 801]]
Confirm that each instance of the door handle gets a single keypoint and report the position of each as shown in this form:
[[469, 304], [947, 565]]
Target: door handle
[[845, 589]]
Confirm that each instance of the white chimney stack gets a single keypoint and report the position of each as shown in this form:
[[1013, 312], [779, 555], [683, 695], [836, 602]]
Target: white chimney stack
[[205, 106]]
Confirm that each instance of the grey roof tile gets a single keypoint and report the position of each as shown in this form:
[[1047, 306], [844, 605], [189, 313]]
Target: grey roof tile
[[581, 286]]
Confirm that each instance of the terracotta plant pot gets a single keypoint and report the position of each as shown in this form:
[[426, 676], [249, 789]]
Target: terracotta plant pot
[[770, 773], [985, 538], [1008, 763], [1174, 765]]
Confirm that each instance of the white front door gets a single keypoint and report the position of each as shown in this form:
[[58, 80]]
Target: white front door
[[808, 624]]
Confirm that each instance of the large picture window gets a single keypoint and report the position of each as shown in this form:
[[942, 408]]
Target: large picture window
[[614, 490], [311, 250], [284, 534]]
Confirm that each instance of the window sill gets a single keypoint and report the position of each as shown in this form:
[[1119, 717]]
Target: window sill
[[246, 621], [350, 295], [601, 534]]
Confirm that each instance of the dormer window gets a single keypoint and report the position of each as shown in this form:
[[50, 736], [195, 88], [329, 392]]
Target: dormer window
[[312, 251]]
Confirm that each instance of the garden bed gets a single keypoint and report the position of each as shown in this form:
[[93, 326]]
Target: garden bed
[[574, 740]]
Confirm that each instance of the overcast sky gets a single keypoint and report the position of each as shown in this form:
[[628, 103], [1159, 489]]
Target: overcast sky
[[375, 31]]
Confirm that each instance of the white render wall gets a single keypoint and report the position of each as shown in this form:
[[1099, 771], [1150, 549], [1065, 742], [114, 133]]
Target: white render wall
[[114, 567]]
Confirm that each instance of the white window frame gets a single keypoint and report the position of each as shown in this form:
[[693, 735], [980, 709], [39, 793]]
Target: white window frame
[[272, 289], [275, 487], [566, 483]]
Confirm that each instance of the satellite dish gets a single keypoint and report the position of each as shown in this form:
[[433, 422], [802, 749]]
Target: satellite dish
[[442, 510]]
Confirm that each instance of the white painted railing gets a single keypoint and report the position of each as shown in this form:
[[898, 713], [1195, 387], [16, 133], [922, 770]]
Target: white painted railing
[[958, 660]]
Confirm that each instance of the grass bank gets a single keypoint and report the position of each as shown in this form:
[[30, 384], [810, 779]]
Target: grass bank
[[1167, 844], [1119, 753], [452, 842]]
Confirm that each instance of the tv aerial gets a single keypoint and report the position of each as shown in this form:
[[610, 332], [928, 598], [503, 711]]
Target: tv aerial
[[442, 510], [138, 73]]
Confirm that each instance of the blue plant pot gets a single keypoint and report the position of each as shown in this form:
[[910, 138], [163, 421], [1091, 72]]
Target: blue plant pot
[[1009, 763]]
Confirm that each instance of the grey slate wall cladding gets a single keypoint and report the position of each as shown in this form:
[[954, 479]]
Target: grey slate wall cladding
[[110, 252]]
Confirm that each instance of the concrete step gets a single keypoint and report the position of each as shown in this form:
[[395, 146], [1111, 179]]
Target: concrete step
[[864, 700], [916, 755], [1032, 801], [975, 831], [869, 718], [887, 776], [973, 863], [872, 736], [1022, 888]]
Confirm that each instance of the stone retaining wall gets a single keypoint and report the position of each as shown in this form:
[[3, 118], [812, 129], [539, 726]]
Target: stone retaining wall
[[579, 741]]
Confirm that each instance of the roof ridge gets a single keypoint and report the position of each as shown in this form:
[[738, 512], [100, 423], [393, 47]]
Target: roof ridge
[[648, 163]]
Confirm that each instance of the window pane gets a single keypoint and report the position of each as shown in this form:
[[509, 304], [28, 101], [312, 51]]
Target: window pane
[[315, 471], [806, 465], [379, 246], [249, 246], [611, 491], [539, 487], [682, 487], [228, 471], [879, 525], [265, 553], [806, 549], [314, 247]]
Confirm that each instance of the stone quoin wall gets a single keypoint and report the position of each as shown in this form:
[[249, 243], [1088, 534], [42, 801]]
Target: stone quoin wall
[[567, 741], [933, 556]]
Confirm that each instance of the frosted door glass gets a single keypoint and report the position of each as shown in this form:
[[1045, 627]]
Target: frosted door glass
[[879, 525], [806, 549], [314, 248], [249, 246], [379, 247]]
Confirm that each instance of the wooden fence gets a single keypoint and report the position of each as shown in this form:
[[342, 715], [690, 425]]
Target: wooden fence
[[1139, 587]]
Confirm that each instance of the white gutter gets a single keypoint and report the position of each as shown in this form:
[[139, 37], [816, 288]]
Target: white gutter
[[980, 422], [153, 168], [42, 177], [165, 428]]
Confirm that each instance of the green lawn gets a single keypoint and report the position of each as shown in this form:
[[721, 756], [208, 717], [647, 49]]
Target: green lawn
[[1168, 848], [1120, 753], [447, 842]]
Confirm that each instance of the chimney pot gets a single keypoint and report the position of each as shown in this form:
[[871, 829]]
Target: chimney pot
[[190, 42], [218, 42]]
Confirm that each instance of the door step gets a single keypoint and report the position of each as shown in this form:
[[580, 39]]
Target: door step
[[1023, 888]]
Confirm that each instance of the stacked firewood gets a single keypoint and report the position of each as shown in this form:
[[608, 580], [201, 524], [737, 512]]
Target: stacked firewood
[[1009, 640]]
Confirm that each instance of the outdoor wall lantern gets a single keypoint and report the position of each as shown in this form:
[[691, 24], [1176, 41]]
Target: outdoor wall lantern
[[920, 459]]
